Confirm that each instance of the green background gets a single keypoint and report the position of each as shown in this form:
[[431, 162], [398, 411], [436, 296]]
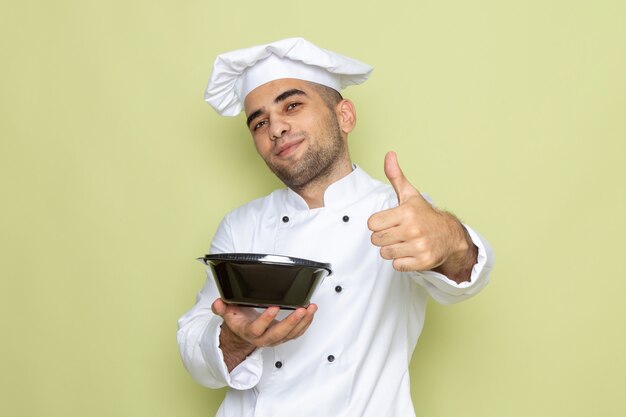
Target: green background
[[115, 174]]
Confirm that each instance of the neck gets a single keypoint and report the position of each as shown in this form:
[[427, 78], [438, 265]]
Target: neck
[[313, 191]]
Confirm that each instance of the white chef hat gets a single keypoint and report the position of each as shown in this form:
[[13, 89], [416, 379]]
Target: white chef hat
[[236, 73]]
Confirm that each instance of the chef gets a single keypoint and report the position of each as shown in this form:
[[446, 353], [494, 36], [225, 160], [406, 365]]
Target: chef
[[348, 352]]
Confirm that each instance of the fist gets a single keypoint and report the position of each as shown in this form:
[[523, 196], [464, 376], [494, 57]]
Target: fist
[[415, 235]]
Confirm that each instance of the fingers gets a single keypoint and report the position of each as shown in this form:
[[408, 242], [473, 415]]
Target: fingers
[[408, 264], [258, 327], [404, 246], [409, 213], [398, 181], [396, 251], [408, 257], [263, 329], [391, 236], [218, 307], [304, 323], [291, 327], [384, 219]]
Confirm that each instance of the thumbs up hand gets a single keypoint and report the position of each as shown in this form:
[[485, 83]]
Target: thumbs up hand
[[418, 237]]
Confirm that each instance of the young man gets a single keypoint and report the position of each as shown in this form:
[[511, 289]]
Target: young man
[[348, 353]]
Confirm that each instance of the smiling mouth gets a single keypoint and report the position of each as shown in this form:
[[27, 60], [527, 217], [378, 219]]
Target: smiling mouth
[[288, 148]]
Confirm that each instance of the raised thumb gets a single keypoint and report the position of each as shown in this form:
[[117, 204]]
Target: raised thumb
[[396, 178]]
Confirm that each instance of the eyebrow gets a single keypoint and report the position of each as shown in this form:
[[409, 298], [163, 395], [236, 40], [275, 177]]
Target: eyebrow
[[281, 97], [289, 93]]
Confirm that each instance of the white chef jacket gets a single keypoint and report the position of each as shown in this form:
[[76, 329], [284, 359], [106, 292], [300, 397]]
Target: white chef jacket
[[353, 360]]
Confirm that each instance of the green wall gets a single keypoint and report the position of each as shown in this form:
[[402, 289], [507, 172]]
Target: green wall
[[114, 174]]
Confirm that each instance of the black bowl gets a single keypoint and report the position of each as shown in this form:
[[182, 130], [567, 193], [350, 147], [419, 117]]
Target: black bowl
[[260, 280]]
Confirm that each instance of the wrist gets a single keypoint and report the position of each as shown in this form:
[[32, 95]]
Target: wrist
[[230, 342], [463, 240], [234, 348], [462, 256]]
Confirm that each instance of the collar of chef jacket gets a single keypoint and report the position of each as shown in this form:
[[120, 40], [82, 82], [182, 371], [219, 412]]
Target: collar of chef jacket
[[339, 194]]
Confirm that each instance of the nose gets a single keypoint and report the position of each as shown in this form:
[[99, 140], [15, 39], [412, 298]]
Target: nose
[[278, 127]]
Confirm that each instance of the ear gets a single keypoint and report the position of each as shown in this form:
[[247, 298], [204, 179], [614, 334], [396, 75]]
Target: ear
[[346, 115]]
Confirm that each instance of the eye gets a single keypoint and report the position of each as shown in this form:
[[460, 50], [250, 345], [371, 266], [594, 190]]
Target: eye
[[293, 105], [259, 125]]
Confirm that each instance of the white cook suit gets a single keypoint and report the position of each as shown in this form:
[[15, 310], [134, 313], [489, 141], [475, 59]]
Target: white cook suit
[[353, 360]]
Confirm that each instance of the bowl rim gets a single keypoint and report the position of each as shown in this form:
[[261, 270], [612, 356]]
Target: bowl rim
[[263, 258]]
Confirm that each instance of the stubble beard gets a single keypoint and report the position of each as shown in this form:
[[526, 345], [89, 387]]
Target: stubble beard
[[317, 163]]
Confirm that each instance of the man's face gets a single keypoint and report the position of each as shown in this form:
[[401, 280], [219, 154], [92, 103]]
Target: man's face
[[295, 131]]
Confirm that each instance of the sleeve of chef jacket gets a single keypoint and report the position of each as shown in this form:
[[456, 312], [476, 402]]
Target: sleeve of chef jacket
[[447, 291], [199, 330]]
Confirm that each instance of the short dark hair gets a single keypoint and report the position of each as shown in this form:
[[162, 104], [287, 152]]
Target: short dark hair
[[330, 96]]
